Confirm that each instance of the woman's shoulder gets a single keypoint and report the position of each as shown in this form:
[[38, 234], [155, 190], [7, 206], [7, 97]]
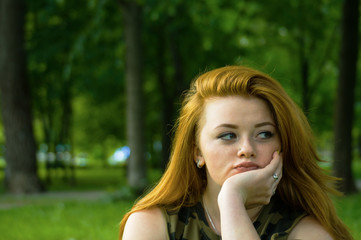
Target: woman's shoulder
[[309, 228], [146, 224]]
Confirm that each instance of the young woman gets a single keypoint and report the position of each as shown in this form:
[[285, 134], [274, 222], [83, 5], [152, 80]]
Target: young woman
[[243, 166]]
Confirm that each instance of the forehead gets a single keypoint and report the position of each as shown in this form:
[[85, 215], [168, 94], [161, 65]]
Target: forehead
[[235, 109]]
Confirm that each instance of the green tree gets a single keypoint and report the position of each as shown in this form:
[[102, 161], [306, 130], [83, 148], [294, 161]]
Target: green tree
[[307, 31], [137, 169], [185, 38], [21, 169], [346, 95]]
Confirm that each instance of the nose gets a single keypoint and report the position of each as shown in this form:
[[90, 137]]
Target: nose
[[246, 149]]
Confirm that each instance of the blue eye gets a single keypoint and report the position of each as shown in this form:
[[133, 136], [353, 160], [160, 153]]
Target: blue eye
[[265, 135], [227, 136]]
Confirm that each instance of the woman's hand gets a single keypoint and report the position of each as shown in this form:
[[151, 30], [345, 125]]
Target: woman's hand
[[245, 191], [256, 187]]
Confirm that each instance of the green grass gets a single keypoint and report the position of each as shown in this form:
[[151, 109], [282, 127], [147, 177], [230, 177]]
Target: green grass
[[99, 220], [89, 179], [349, 211], [63, 221], [95, 178], [59, 219]]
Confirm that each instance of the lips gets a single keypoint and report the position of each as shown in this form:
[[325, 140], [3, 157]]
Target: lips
[[246, 166]]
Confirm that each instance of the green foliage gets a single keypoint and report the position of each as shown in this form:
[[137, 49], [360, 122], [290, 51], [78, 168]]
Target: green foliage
[[75, 67], [76, 62], [307, 33]]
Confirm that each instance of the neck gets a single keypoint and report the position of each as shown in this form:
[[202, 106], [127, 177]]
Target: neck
[[212, 212], [210, 198]]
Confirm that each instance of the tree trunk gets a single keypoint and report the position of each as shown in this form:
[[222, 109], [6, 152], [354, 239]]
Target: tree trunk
[[171, 91], [342, 166], [180, 85], [304, 70], [305, 86], [359, 144], [137, 166], [166, 96], [66, 133], [20, 149]]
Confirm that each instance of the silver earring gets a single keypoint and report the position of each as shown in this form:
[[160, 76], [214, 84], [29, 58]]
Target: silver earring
[[199, 163]]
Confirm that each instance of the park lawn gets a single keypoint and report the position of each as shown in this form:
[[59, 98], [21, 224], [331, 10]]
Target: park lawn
[[64, 221], [92, 178], [349, 210], [100, 219], [54, 219], [95, 178], [76, 220]]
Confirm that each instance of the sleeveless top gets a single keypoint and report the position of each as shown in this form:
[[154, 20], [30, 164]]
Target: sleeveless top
[[275, 222]]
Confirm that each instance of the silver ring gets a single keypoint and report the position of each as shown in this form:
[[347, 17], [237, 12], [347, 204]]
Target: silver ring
[[275, 176]]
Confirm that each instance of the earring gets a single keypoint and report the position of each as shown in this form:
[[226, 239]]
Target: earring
[[199, 163]]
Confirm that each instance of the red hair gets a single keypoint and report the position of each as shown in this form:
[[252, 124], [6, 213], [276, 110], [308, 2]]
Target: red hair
[[304, 184]]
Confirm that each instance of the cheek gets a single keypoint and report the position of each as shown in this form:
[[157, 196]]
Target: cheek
[[211, 155], [264, 159], [216, 156], [265, 154]]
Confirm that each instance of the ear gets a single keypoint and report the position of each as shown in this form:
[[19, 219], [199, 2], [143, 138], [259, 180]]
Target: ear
[[198, 156]]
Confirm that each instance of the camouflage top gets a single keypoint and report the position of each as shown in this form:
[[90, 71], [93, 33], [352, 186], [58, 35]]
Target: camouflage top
[[275, 222]]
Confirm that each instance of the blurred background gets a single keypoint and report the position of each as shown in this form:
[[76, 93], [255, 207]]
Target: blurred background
[[90, 90]]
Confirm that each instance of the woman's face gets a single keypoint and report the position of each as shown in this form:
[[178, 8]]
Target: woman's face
[[238, 134]]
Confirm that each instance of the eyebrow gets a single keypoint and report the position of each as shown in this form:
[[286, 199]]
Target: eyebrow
[[228, 125], [264, 124]]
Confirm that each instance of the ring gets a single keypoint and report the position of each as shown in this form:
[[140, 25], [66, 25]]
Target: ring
[[275, 176]]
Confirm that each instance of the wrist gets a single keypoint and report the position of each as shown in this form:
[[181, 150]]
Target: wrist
[[229, 196]]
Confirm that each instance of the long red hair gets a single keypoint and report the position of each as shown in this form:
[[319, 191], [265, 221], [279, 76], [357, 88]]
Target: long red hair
[[304, 184]]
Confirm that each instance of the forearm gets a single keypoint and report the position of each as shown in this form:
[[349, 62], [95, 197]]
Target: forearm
[[235, 222]]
